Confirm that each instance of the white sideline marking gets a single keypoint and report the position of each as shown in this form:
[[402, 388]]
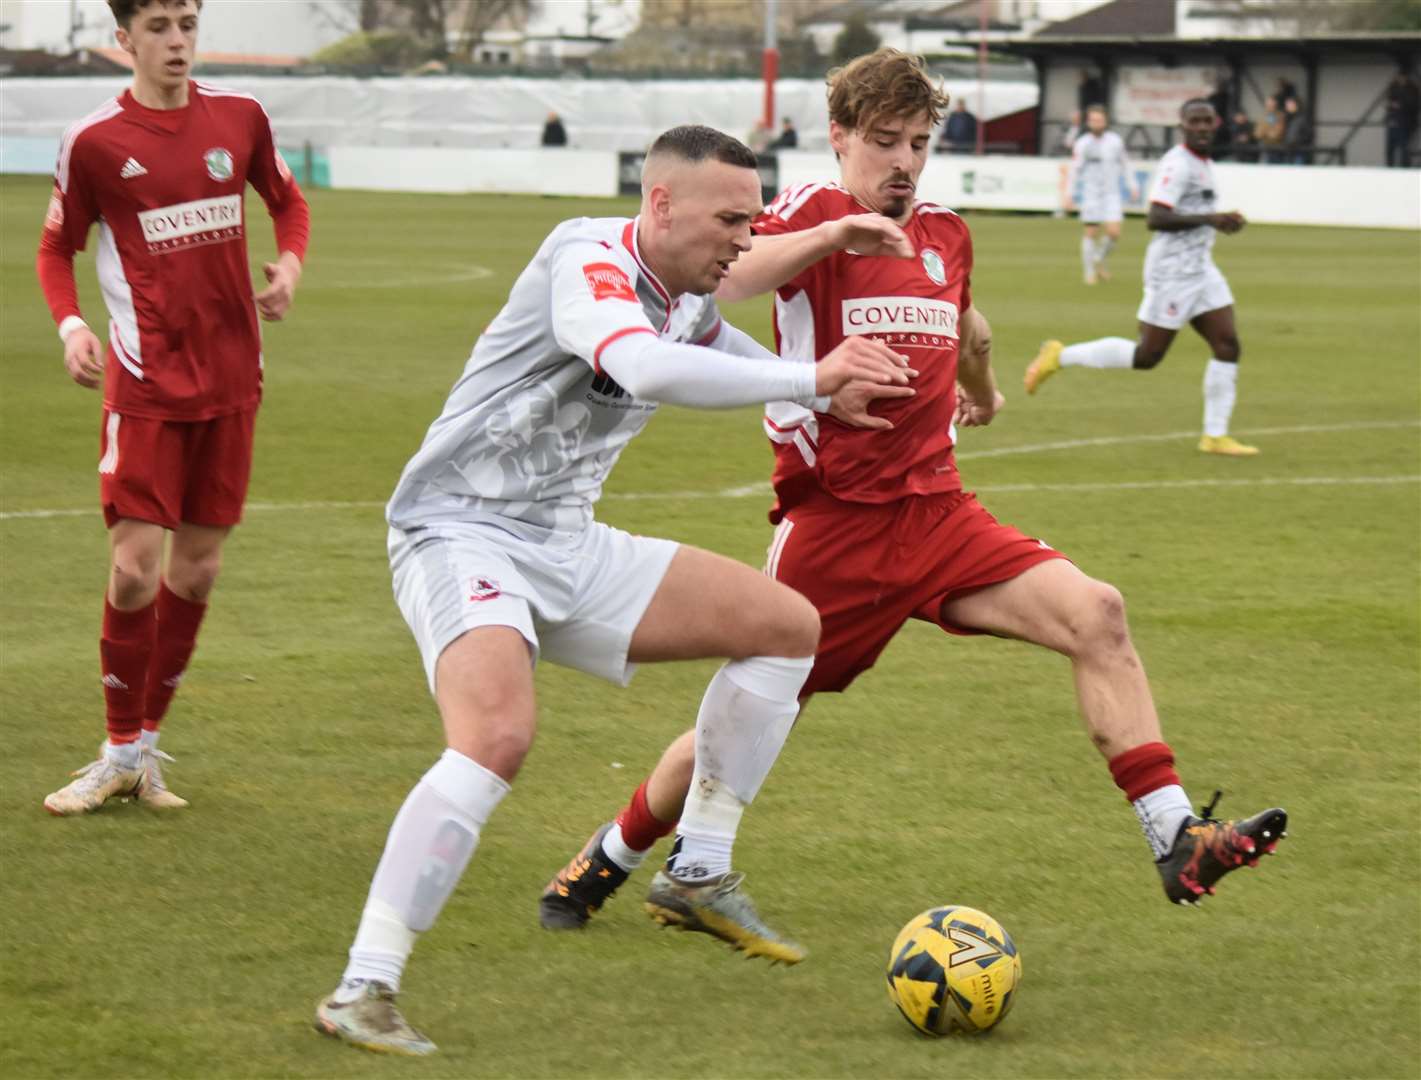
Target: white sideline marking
[[763, 489], [388, 277], [1119, 440]]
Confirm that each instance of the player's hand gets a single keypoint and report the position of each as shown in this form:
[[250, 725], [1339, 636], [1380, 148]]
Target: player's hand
[[84, 357], [275, 300], [871, 234], [851, 403], [863, 358], [1069, 205], [1227, 223], [976, 411]]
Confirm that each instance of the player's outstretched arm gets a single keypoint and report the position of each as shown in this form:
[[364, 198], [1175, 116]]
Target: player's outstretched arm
[[699, 377], [849, 404], [774, 260]]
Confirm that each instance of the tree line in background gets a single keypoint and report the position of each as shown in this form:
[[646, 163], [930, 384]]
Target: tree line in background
[[720, 37], [710, 37]]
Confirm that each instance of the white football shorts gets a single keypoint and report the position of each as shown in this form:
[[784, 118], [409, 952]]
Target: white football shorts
[[1098, 209], [576, 599], [1172, 302]]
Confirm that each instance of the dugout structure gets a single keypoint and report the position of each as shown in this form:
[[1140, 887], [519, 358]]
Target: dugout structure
[[1341, 78]]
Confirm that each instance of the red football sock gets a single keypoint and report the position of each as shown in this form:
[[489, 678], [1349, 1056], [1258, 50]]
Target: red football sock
[[178, 620], [1143, 769], [125, 648], [641, 828]]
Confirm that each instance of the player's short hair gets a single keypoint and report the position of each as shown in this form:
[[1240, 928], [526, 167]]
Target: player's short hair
[[695, 143], [124, 10], [882, 84], [1193, 103]]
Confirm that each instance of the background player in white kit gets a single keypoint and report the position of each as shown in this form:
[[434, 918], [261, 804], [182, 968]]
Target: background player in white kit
[[1182, 285], [1099, 166], [497, 559]]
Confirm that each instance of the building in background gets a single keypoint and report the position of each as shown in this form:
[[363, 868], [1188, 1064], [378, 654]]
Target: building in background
[[250, 27]]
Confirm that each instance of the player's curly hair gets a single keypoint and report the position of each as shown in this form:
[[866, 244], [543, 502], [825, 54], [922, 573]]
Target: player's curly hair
[[124, 10], [885, 83]]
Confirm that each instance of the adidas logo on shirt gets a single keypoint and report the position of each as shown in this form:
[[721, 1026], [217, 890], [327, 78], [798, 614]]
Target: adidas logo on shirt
[[130, 169]]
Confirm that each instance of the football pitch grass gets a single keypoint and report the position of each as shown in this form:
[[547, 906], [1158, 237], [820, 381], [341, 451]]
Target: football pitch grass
[[1274, 601]]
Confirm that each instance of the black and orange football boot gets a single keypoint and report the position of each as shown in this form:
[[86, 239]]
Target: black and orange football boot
[[580, 888], [1205, 849]]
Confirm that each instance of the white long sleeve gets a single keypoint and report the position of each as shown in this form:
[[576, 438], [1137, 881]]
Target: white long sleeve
[[727, 374]]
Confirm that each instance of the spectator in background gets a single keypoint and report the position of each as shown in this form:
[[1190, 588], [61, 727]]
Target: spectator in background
[[554, 134], [760, 137], [789, 137], [1403, 104], [1297, 133], [959, 134], [1071, 134], [1090, 91], [1242, 141], [1284, 91], [1269, 132], [1222, 101]]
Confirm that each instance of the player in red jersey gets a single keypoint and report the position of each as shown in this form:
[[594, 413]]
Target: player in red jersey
[[162, 169], [874, 527]]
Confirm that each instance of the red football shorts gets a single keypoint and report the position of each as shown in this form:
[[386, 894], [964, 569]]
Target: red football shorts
[[869, 568], [172, 471]]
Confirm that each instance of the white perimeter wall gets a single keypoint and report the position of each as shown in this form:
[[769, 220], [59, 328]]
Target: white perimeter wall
[[1267, 194], [1276, 194]]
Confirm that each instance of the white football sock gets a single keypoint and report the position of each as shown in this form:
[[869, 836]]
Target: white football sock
[[431, 841], [1161, 812], [1108, 352], [1087, 255], [127, 755], [1104, 245], [1220, 391], [149, 739], [615, 847], [745, 717]]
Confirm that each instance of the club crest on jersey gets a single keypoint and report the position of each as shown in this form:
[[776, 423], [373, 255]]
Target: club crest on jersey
[[482, 588], [608, 282], [219, 163], [933, 266]]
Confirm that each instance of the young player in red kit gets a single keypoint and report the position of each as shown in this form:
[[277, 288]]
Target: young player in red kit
[[874, 527], [162, 169]]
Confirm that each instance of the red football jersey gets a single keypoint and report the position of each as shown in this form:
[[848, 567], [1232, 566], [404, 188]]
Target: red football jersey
[[913, 305], [166, 187]]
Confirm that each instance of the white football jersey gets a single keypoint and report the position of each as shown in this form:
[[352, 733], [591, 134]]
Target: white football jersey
[[1099, 163], [533, 426], [1184, 182]]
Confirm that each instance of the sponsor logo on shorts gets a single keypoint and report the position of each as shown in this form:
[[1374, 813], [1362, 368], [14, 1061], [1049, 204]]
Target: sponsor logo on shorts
[[191, 224], [901, 315], [482, 588], [608, 282]]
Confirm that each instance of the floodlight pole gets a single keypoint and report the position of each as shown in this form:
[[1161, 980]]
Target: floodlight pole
[[770, 60], [981, 77]]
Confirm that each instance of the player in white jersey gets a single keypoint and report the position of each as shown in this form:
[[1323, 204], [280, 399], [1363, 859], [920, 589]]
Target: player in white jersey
[[497, 559], [1182, 285], [1100, 165]]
